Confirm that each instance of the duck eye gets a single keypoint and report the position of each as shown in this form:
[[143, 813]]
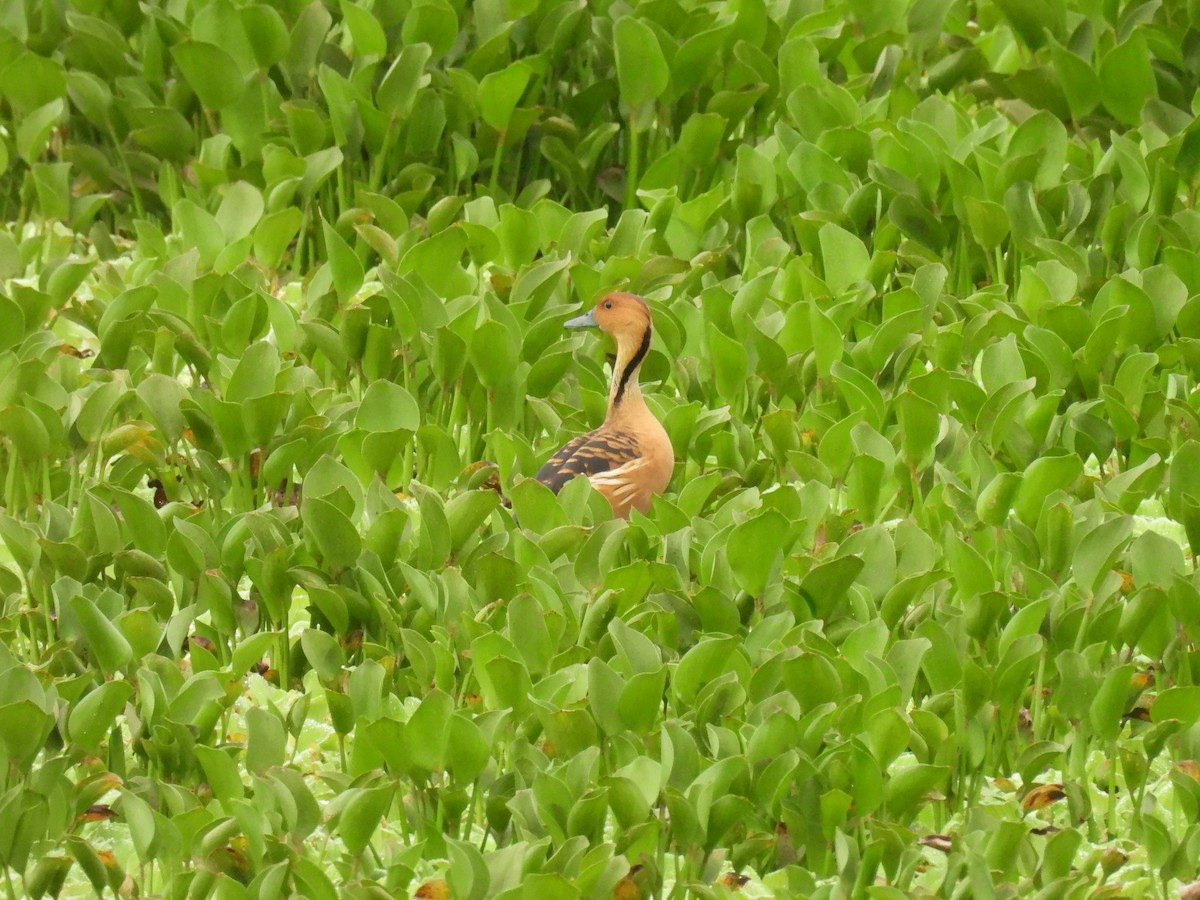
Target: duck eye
[[608, 304]]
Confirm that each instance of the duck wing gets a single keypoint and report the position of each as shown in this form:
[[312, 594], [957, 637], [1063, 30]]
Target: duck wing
[[595, 454]]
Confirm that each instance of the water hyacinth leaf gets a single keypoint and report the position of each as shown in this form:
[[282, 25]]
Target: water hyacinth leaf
[[434, 23], [266, 741], [1043, 477], [754, 550], [907, 787], [221, 772], [1079, 80], [467, 750], [323, 653], [366, 32], [428, 731], [23, 729], [467, 512], [104, 640], [642, 72], [35, 129], [706, 662], [1127, 79], [493, 354], [240, 210], [1110, 702], [1178, 703], [988, 221], [360, 817], [266, 32], [1183, 499], [1098, 550], [344, 262], [211, 72], [387, 407], [334, 534], [26, 432], [845, 257], [1033, 21], [406, 75], [500, 92], [92, 717]]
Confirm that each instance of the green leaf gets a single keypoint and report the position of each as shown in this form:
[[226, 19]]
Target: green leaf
[[906, 789], [428, 732], [323, 653], [266, 740], [266, 32], [344, 262], [845, 258], [105, 642], [335, 536], [1127, 79], [467, 512], [387, 407], [398, 90], [642, 72], [467, 750], [1109, 704], [494, 354], [240, 210], [754, 550], [211, 72], [366, 33], [221, 771], [92, 717], [1180, 703], [499, 93], [361, 816], [704, 663], [34, 131]]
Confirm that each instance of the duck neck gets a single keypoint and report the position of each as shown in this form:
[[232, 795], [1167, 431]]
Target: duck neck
[[624, 389]]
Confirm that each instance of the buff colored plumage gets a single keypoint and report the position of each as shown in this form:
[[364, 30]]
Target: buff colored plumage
[[629, 458]]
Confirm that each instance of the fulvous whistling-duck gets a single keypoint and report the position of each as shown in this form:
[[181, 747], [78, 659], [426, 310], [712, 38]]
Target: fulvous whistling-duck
[[629, 458]]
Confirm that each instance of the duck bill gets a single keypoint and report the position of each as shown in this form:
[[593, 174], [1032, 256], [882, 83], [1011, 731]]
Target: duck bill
[[587, 320]]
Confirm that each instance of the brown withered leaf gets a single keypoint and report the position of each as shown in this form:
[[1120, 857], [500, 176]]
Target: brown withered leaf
[[97, 812], [160, 493], [733, 880], [1042, 796], [232, 862], [942, 842], [1112, 859], [1190, 768], [1190, 891], [627, 888], [201, 641], [434, 889]]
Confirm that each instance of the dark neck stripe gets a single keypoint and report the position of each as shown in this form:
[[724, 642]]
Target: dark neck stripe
[[636, 361]]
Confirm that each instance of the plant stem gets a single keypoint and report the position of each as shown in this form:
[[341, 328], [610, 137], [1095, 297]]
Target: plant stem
[[496, 157], [631, 168]]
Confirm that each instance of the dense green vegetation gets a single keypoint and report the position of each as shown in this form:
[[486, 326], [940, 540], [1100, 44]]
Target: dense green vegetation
[[281, 295]]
